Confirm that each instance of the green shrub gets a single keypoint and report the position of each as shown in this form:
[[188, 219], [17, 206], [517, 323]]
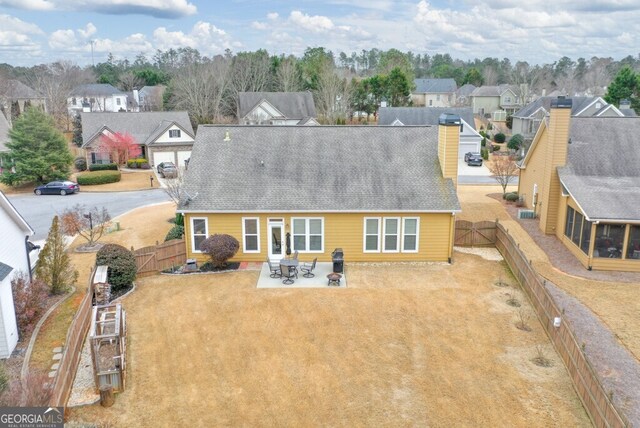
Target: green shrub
[[131, 163], [98, 177], [80, 163], [484, 153], [141, 161], [4, 377], [122, 265], [495, 148], [489, 127], [179, 219], [511, 197], [499, 138], [483, 143], [103, 167], [176, 232], [515, 142]]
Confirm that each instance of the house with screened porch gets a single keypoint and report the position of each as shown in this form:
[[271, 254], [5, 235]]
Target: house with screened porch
[[581, 177], [379, 193]]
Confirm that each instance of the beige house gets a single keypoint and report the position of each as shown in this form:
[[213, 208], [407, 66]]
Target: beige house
[[581, 178], [434, 92], [496, 101]]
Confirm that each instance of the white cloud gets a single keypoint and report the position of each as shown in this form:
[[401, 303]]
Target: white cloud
[[10, 23], [89, 31], [157, 8], [259, 25], [272, 16], [316, 23], [204, 36]]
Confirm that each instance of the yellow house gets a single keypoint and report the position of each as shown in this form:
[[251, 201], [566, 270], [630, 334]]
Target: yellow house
[[379, 193], [581, 176]]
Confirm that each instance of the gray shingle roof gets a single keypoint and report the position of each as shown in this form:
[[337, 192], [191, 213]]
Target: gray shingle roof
[[465, 90], [143, 126], [5, 270], [422, 115], [15, 89], [95, 90], [628, 112], [603, 167], [4, 132], [294, 105], [579, 103], [494, 91], [435, 86], [317, 168]]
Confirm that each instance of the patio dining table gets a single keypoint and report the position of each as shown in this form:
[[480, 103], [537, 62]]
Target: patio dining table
[[290, 262]]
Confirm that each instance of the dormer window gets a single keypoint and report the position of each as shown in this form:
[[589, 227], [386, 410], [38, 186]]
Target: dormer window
[[174, 133], [598, 105]]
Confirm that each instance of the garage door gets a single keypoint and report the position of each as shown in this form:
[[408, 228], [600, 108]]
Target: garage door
[[183, 156], [467, 147], [159, 157]]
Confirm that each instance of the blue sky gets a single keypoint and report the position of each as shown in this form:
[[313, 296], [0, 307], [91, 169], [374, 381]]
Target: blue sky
[[40, 31]]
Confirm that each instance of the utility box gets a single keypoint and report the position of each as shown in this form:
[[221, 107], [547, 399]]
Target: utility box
[[337, 257], [191, 265]]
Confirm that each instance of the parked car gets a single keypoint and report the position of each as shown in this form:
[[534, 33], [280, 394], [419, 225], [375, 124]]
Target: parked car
[[57, 188], [474, 160], [167, 170], [469, 154]]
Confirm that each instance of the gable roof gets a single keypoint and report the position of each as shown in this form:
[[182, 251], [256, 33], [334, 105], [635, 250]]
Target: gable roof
[[317, 169], [465, 90], [140, 125], [6, 205], [495, 91], [579, 104], [603, 167], [4, 132], [95, 90], [435, 86], [294, 105], [422, 115], [15, 89]]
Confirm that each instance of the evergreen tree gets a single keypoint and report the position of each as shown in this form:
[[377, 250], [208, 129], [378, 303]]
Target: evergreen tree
[[77, 130], [625, 86], [398, 88], [54, 266], [38, 149]]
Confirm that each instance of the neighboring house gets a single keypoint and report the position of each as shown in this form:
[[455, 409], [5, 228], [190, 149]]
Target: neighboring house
[[4, 133], [379, 193], [276, 108], [581, 177], [150, 98], [164, 136], [625, 109], [470, 140], [96, 97], [14, 258], [526, 121], [15, 92], [496, 101], [462, 96], [433, 92]]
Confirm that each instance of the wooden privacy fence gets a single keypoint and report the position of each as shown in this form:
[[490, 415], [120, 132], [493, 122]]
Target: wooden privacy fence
[[585, 381], [156, 258], [66, 373], [480, 234]]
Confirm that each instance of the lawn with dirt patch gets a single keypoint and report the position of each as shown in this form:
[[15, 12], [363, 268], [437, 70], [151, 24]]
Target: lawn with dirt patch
[[405, 345], [129, 181]]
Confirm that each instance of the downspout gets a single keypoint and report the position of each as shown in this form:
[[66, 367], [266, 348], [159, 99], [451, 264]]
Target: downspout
[[26, 248], [452, 234]]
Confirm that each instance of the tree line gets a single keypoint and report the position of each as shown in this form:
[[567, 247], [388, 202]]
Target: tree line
[[207, 87]]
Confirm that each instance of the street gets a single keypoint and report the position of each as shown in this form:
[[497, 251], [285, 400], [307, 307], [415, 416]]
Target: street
[[39, 211]]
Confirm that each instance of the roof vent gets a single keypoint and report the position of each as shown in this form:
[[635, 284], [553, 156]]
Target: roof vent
[[227, 135], [449, 119], [562, 102]]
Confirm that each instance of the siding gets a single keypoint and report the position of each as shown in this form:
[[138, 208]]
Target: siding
[[448, 144], [341, 230], [535, 170]]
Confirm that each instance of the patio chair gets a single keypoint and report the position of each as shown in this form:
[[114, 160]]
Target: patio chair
[[308, 268], [274, 269], [287, 274]]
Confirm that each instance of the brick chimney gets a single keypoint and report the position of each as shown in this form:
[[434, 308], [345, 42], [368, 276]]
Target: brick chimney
[[555, 156], [448, 145]]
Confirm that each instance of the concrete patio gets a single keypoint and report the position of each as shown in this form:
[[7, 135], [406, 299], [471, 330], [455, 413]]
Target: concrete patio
[[318, 281]]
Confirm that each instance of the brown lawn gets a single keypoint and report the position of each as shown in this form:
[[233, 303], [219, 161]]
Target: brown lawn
[[138, 180], [404, 345]]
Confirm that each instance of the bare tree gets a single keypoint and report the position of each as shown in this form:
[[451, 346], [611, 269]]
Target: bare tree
[[333, 95], [88, 223], [504, 170], [200, 89], [55, 81], [250, 72], [288, 75], [174, 187], [490, 76], [129, 81]]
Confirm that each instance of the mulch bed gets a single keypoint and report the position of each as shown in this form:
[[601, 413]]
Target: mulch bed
[[205, 268]]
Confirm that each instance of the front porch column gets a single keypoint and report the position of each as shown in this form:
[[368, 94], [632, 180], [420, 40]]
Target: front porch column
[[625, 242], [592, 244]]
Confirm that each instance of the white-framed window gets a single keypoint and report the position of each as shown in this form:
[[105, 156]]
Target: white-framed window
[[308, 234], [371, 242], [118, 101], [199, 232], [251, 234], [410, 233], [391, 232], [438, 97], [174, 133]]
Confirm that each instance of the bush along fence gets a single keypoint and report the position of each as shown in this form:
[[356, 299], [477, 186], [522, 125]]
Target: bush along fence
[[159, 257], [63, 382], [585, 381]]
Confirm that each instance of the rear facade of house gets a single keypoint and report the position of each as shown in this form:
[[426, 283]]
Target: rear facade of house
[[378, 193]]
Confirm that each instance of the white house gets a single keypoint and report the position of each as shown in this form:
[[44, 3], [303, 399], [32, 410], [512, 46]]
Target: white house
[[96, 97], [14, 258]]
